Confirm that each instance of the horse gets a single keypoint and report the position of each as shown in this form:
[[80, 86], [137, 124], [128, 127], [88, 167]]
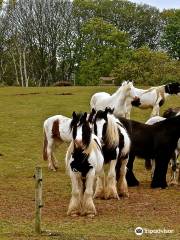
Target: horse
[[84, 159], [56, 131], [157, 141], [115, 147], [154, 97], [120, 100], [150, 164]]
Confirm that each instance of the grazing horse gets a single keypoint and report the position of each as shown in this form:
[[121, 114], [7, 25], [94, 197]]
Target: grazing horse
[[150, 164], [84, 159], [56, 131], [154, 97], [120, 100], [115, 146], [157, 141]]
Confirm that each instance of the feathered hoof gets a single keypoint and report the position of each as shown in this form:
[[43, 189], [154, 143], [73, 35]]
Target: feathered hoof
[[124, 194], [89, 213], [173, 183], [73, 213], [111, 194], [52, 168], [99, 194]]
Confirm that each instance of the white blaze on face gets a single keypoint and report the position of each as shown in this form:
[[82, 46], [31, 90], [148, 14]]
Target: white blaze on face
[[78, 139], [100, 124]]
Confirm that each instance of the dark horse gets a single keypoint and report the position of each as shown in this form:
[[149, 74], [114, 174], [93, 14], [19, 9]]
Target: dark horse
[[157, 141]]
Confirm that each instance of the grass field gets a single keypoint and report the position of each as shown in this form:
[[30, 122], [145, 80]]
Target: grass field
[[22, 112]]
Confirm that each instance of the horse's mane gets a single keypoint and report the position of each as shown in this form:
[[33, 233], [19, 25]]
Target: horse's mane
[[112, 131], [120, 88]]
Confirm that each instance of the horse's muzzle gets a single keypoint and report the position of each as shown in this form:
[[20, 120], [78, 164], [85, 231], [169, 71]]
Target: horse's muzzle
[[78, 143], [136, 102]]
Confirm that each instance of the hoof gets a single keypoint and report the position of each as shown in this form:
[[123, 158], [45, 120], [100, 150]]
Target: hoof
[[99, 194], [111, 194], [124, 194], [173, 183], [73, 213], [91, 215], [133, 183]]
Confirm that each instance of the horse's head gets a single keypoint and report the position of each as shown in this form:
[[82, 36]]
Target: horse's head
[[81, 130], [172, 88], [133, 95]]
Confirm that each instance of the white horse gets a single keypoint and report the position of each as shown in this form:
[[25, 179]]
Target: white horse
[[115, 145], [56, 131], [175, 168], [84, 159], [119, 101], [154, 97]]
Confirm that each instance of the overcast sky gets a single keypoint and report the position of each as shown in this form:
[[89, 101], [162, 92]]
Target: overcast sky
[[161, 4]]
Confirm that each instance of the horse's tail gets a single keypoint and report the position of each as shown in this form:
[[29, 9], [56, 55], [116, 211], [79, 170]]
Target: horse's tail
[[45, 156]]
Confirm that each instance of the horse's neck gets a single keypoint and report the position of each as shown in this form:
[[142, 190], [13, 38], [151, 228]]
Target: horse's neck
[[119, 96]]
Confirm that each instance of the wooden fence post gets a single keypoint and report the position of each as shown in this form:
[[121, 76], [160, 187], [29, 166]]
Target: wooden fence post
[[38, 199]]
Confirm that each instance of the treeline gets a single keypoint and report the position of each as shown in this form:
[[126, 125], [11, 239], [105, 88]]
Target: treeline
[[43, 42]]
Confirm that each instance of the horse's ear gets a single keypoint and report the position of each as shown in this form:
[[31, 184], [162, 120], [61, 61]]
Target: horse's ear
[[111, 110], [85, 116], [93, 111], [74, 115], [91, 115]]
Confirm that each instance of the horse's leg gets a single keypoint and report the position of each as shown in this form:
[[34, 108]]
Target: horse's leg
[[128, 110], [155, 111], [111, 189], [159, 177], [174, 168], [156, 107], [54, 159], [153, 168], [74, 208], [88, 207], [100, 185], [50, 146], [122, 183], [131, 179]]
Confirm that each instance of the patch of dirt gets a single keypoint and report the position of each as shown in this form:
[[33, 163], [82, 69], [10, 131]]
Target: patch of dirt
[[24, 94], [63, 93]]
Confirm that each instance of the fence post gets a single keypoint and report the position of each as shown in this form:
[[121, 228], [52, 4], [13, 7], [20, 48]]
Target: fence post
[[38, 199]]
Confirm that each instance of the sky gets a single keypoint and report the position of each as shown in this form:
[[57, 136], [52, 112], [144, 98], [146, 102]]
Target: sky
[[161, 4]]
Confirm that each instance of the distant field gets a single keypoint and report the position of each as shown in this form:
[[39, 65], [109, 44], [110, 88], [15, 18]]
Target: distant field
[[22, 112]]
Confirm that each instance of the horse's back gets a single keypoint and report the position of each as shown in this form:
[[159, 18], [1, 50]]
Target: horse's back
[[97, 99]]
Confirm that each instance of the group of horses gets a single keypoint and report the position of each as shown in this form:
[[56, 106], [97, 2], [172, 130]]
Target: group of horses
[[107, 135]]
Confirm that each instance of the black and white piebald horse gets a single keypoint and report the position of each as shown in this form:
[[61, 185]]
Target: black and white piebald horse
[[84, 159], [154, 97], [150, 164], [157, 141], [115, 146]]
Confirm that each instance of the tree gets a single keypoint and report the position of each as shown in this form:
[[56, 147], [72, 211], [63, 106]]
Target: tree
[[147, 67], [171, 37], [102, 46]]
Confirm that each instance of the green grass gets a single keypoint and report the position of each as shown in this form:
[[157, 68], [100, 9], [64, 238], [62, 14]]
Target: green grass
[[22, 112]]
